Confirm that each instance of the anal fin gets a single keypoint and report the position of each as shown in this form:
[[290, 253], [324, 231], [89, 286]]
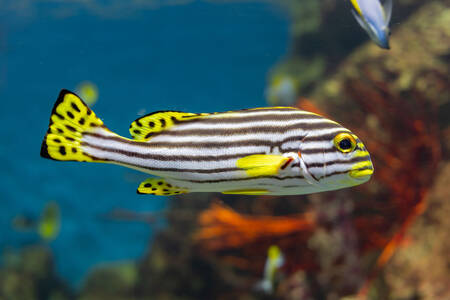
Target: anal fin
[[159, 187]]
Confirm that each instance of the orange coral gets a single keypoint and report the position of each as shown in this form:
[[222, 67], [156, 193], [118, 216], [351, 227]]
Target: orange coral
[[223, 227]]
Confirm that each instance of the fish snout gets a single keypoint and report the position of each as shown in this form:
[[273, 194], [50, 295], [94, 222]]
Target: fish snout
[[362, 171], [382, 38]]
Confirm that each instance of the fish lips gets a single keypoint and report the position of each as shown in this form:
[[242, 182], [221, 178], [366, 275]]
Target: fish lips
[[361, 175]]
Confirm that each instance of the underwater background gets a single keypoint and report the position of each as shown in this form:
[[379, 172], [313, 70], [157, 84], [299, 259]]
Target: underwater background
[[139, 62], [80, 231]]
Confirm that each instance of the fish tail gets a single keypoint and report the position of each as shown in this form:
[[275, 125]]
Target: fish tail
[[70, 120]]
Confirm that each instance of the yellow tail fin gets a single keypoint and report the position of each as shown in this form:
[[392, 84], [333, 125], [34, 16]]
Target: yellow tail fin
[[70, 119]]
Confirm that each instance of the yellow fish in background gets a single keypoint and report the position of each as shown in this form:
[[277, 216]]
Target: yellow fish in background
[[88, 92], [47, 226], [374, 18], [262, 151], [274, 261], [50, 222]]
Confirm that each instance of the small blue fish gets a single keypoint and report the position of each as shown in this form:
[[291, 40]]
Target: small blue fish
[[374, 19]]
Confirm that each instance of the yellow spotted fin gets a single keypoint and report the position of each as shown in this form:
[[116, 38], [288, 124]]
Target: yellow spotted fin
[[247, 192], [145, 127], [262, 164], [159, 187], [70, 119]]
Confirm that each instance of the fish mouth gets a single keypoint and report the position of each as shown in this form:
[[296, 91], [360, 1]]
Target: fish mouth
[[362, 174], [383, 43], [362, 171], [382, 38]]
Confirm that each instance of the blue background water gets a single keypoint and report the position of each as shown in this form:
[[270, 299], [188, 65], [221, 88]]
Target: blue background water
[[198, 57]]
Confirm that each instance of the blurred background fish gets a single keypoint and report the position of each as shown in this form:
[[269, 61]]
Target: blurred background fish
[[282, 90], [88, 91], [47, 226], [374, 18], [125, 215], [274, 261]]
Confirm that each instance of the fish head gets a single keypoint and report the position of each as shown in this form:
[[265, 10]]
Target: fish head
[[379, 34], [335, 160]]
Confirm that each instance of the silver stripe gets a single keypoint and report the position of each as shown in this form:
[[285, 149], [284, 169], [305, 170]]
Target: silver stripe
[[309, 144], [151, 148], [158, 164], [272, 137], [243, 125]]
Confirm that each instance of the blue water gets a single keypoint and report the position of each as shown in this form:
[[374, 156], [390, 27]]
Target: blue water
[[198, 57]]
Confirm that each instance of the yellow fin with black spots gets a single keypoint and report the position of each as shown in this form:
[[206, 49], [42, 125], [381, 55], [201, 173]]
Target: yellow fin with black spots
[[145, 127], [262, 164], [247, 192], [70, 119], [159, 187]]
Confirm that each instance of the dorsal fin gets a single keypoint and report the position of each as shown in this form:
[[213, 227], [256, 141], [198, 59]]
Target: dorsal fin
[[143, 128], [387, 9]]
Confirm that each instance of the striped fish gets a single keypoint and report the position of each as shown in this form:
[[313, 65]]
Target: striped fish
[[262, 151]]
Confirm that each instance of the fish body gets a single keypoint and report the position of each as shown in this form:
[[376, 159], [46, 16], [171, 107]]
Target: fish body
[[265, 151], [374, 18]]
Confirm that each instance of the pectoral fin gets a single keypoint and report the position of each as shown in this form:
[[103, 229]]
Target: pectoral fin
[[262, 164], [159, 187]]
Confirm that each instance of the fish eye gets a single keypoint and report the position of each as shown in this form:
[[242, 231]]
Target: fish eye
[[345, 142]]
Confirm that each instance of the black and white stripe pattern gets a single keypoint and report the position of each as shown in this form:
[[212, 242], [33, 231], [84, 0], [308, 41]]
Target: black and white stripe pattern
[[201, 154]]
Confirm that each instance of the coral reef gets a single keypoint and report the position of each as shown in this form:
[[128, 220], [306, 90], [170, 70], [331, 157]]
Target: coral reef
[[421, 267], [112, 281], [30, 275]]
